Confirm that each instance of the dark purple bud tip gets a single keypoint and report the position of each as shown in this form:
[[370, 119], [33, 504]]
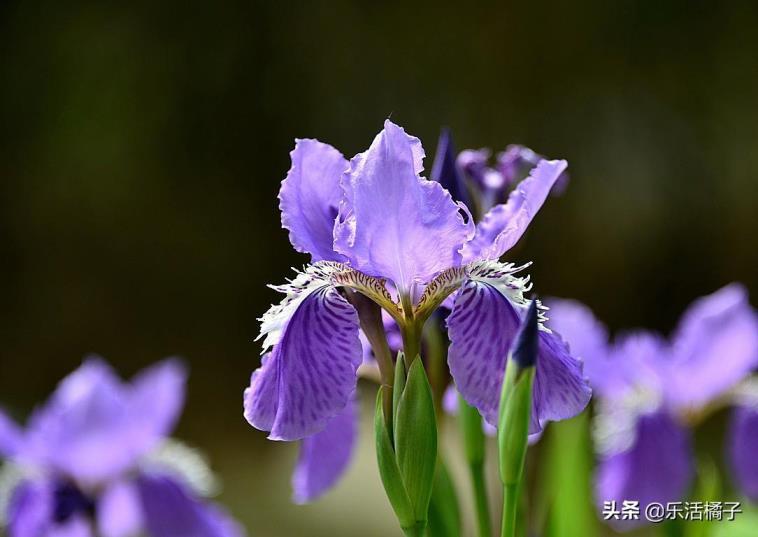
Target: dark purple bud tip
[[525, 345]]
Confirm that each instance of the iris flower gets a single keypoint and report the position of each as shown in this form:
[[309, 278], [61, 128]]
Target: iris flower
[[650, 392], [471, 179], [377, 231], [95, 460]]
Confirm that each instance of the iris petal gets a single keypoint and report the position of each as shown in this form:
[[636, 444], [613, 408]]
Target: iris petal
[[742, 448], [310, 374], [392, 223], [714, 347], [657, 467], [170, 511], [504, 224], [482, 326], [309, 198], [325, 456]]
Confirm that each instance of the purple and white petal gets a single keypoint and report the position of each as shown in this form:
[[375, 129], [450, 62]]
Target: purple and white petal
[[310, 375], [392, 223], [587, 339], [484, 321], [170, 511], [656, 467], [560, 390], [325, 456], [742, 447], [481, 329], [504, 224], [714, 347], [310, 196], [119, 510]]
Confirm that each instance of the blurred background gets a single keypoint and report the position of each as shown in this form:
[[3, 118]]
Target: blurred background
[[141, 150]]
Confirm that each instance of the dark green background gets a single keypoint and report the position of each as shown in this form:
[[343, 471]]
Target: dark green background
[[141, 150]]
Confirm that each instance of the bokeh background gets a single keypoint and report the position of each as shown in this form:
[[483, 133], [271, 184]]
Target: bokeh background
[[142, 146]]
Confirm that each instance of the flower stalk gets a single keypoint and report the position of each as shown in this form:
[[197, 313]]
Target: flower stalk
[[515, 413], [470, 422]]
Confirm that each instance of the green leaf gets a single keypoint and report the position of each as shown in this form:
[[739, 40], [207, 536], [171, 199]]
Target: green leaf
[[389, 471], [565, 495], [444, 513], [416, 439]]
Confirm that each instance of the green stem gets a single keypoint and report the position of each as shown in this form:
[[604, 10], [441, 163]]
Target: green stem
[[470, 422], [510, 510], [480, 499], [419, 530], [435, 353], [370, 319]]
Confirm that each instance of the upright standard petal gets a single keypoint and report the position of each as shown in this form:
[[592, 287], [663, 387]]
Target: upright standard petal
[[325, 456], [714, 347], [156, 401], [445, 169], [484, 321], [309, 198], [85, 429], [170, 511], [393, 223], [310, 374], [657, 467], [742, 448], [504, 224]]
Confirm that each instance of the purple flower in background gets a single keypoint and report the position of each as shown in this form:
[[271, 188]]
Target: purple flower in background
[[470, 178], [95, 460], [649, 389], [373, 225]]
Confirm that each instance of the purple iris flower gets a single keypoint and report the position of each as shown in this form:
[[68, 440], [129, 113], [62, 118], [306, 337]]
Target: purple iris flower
[[95, 460], [649, 391], [470, 178], [373, 225]]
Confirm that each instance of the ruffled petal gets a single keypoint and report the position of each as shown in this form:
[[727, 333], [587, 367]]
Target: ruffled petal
[[170, 511], [714, 347], [588, 340], [310, 375], [393, 223], [560, 390], [742, 448], [481, 327], [325, 456], [310, 196], [119, 511], [504, 224], [657, 467]]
